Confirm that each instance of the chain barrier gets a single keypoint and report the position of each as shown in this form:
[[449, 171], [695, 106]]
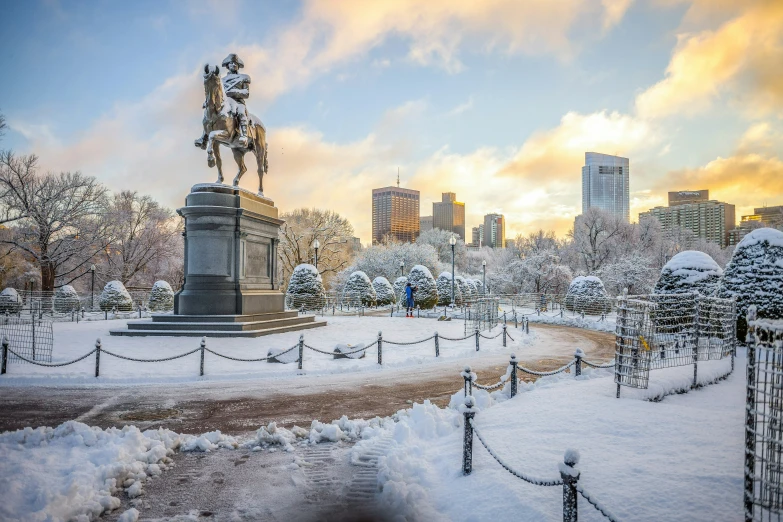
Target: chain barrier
[[493, 337], [490, 387], [149, 360], [527, 478], [343, 353], [599, 366], [411, 343], [457, 339], [294, 347], [544, 374], [596, 504], [52, 365]]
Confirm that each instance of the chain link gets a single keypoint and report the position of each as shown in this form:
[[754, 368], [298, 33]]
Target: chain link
[[531, 480], [509, 336], [410, 343], [593, 365], [543, 374], [52, 365], [596, 504], [494, 337], [459, 339], [149, 360], [251, 360], [491, 387], [343, 353]]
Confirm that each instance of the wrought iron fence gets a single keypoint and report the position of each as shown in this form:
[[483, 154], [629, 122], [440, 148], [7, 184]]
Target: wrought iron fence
[[29, 338], [763, 496], [666, 330]]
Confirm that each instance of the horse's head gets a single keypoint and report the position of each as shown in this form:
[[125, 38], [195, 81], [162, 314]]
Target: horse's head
[[213, 88]]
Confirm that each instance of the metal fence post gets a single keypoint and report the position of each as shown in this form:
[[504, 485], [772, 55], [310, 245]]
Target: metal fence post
[[504, 336], [201, 367], [467, 374], [391, 311], [106, 315], [467, 444], [578, 354], [504, 318], [477, 339], [513, 364], [98, 357], [32, 321], [570, 476], [696, 328], [4, 363], [527, 325], [301, 350], [437, 345], [380, 347], [750, 417], [418, 311]]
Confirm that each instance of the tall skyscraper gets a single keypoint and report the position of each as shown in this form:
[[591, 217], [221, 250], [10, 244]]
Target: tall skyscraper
[[449, 214], [771, 217], [425, 223], [605, 184], [395, 212], [694, 210], [494, 231], [477, 236]]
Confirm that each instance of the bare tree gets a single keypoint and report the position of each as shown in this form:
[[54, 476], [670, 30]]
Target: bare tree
[[54, 219], [595, 236], [302, 227], [143, 233], [3, 125]]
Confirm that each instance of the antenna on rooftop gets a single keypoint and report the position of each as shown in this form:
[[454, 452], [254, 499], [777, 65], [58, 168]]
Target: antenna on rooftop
[[398, 177]]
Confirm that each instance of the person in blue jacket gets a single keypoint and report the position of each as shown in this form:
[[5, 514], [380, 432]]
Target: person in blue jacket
[[409, 299]]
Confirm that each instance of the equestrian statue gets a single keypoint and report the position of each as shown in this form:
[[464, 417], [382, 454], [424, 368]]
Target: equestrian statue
[[227, 121]]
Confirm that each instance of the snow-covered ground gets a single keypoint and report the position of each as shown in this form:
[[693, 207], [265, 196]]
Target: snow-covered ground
[[72, 340], [590, 322]]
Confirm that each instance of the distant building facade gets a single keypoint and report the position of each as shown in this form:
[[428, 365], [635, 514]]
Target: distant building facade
[[395, 212], [477, 236], [605, 184], [494, 231], [771, 217], [449, 214], [425, 223], [694, 210]]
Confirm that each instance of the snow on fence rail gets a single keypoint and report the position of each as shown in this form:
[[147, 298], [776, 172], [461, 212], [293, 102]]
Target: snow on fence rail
[[763, 496], [569, 474], [9, 353], [665, 330], [30, 338]]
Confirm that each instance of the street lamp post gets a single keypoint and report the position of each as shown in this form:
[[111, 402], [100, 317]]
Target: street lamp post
[[92, 288], [452, 242], [484, 276], [316, 246], [402, 268]]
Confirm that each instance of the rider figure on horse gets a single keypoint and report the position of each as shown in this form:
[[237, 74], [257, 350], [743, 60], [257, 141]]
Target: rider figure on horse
[[237, 87]]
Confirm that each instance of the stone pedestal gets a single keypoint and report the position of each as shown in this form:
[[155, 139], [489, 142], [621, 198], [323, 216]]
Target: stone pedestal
[[230, 253]]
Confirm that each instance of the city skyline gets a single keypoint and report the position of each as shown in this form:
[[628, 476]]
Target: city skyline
[[495, 101]]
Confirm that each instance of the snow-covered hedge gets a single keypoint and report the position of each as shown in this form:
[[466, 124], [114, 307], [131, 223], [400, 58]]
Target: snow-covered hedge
[[444, 290], [754, 276], [474, 288], [587, 293], [689, 271], [426, 295], [305, 289], [464, 288], [115, 295], [10, 301], [161, 297], [384, 291], [399, 289], [66, 299], [359, 289]]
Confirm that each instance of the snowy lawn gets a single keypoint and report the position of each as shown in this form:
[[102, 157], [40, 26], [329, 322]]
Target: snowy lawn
[[678, 459], [590, 322], [72, 340]]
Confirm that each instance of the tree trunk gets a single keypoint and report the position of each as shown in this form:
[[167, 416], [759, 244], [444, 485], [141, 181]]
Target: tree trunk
[[47, 276]]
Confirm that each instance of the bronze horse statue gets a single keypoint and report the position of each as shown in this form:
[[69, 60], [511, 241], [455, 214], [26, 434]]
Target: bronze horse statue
[[220, 125]]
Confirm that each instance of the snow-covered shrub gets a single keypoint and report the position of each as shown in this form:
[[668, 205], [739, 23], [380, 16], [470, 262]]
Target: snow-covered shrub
[[474, 289], [754, 276], [689, 271], [383, 291], [10, 301], [426, 295], [464, 288], [161, 297], [480, 290], [444, 290], [359, 289], [66, 299], [399, 289], [587, 293], [115, 295], [305, 289]]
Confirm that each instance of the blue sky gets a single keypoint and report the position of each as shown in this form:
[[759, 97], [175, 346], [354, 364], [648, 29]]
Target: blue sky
[[497, 101]]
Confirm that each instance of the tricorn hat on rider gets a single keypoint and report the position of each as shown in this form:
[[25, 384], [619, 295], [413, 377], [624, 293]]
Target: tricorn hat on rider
[[233, 58]]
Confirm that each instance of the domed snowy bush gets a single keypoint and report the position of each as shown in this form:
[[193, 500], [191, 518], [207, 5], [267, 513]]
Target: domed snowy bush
[[464, 288], [426, 295], [66, 299], [587, 293], [384, 291], [399, 289], [305, 289], [444, 290], [754, 276], [689, 271], [161, 297], [10, 301], [359, 289], [474, 289], [114, 296]]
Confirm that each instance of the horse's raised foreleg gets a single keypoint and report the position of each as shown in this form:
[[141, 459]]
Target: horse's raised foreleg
[[239, 157]]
